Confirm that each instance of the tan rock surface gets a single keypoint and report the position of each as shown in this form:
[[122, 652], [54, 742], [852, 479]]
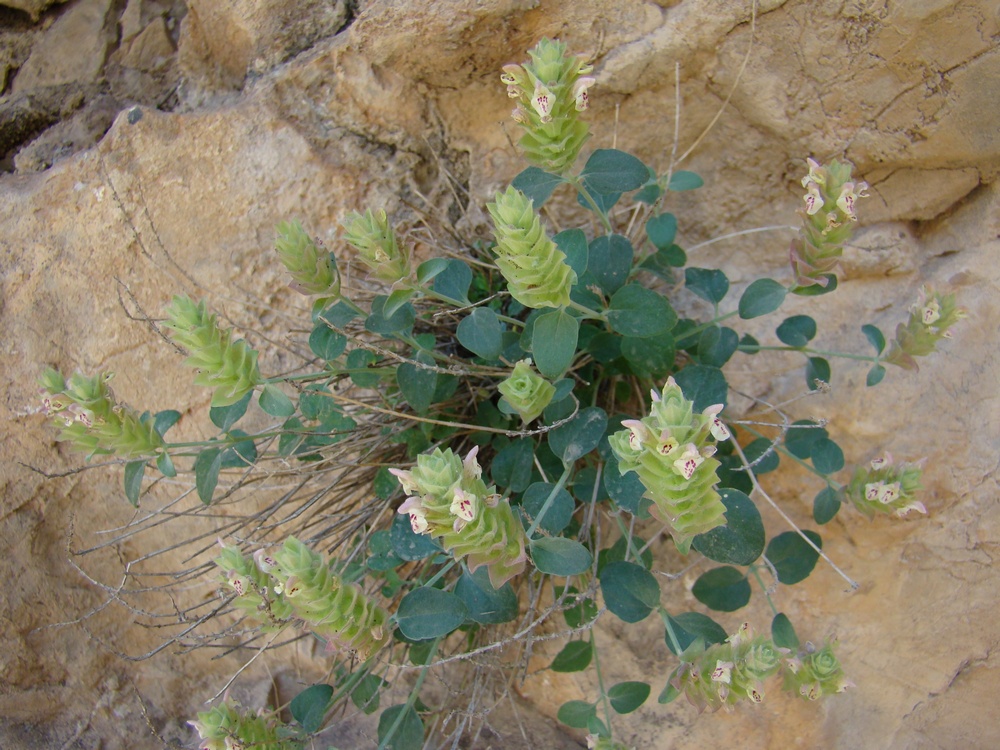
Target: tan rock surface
[[187, 201]]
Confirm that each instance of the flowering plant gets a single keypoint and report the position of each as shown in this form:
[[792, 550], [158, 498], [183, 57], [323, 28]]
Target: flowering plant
[[498, 418]]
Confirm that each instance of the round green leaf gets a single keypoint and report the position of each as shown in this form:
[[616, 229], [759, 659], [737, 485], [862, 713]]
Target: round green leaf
[[797, 330], [817, 368], [585, 610], [537, 184], [164, 420], [365, 693], [792, 557], [630, 591], [625, 489], [662, 230], [206, 473], [783, 633], [427, 270], [683, 180], [326, 343], [689, 626], [875, 375], [626, 697], [481, 332], [560, 510], [380, 554], [611, 171], [339, 314], [741, 540], [560, 557], [574, 657], [826, 505], [641, 312], [576, 714], [704, 385], [358, 360], [408, 545], [224, 417], [723, 589], [133, 480], [239, 455], [416, 383], [760, 298], [580, 436], [513, 465], [553, 342], [454, 281], [309, 707], [827, 456], [874, 336], [709, 284], [610, 261], [274, 402], [651, 357], [409, 729], [761, 456], [428, 613], [573, 242], [486, 605], [716, 345], [166, 465], [801, 437], [400, 321]]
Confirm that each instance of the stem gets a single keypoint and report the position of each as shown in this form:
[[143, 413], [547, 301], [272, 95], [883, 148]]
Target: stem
[[548, 501], [712, 241], [586, 312], [412, 698], [577, 183], [670, 630], [600, 683], [767, 593], [809, 350]]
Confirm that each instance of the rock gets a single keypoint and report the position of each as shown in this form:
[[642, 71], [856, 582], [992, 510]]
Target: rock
[[33, 8]]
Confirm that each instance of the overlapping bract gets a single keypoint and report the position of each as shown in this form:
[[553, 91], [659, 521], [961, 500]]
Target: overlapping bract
[[672, 451], [724, 674], [929, 321], [551, 91], [256, 597], [448, 499], [92, 420], [376, 243], [885, 486], [535, 269], [230, 367], [313, 269], [227, 727], [814, 673], [827, 221], [526, 392]]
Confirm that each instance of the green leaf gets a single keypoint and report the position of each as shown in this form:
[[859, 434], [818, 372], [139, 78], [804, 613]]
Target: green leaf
[[801, 437], [553, 342], [409, 734], [689, 626], [206, 473], [827, 456], [560, 511], [816, 290], [427, 270], [326, 343], [749, 345], [365, 693], [792, 557], [874, 336], [668, 694], [291, 437], [723, 589], [512, 466], [573, 242], [384, 485], [760, 298], [316, 402], [610, 261], [396, 300], [576, 714], [339, 314], [684, 181], [454, 281], [630, 591], [408, 545], [417, 384], [708, 283], [574, 657], [400, 321], [309, 707], [662, 230], [663, 262], [380, 554], [164, 420], [597, 727], [717, 345], [625, 547], [640, 312], [625, 489], [133, 480], [875, 375], [604, 201], [558, 556], [826, 505], [704, 385], [239, 455], [626, 697], [537, 184], [651, 357], [577, 438], [741, 540], [782, 632], [611, 171], [761, 456], [224, 417], [797, 330], [585, 610], [166, 465], [817, 369], [360, 359], [274, 402], [481, 332], [486, 605], [428, 613]]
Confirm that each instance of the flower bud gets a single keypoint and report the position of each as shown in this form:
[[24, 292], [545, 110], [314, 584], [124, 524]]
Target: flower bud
[[929, 321], [526, 392], [376, 243], [885, 486], [313, 270]]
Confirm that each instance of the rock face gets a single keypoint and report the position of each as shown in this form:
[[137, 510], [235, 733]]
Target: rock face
[[152, 147]]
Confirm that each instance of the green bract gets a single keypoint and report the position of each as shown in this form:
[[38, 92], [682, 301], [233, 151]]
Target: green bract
[[672, 452], [929, 321], [230, 367], [313, 270], [526, 392], [371, 235], [227, 726], [815, 673], [886, 487], [535, 269]]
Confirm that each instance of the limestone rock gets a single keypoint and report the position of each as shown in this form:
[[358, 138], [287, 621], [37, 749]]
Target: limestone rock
[[33, 8]]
